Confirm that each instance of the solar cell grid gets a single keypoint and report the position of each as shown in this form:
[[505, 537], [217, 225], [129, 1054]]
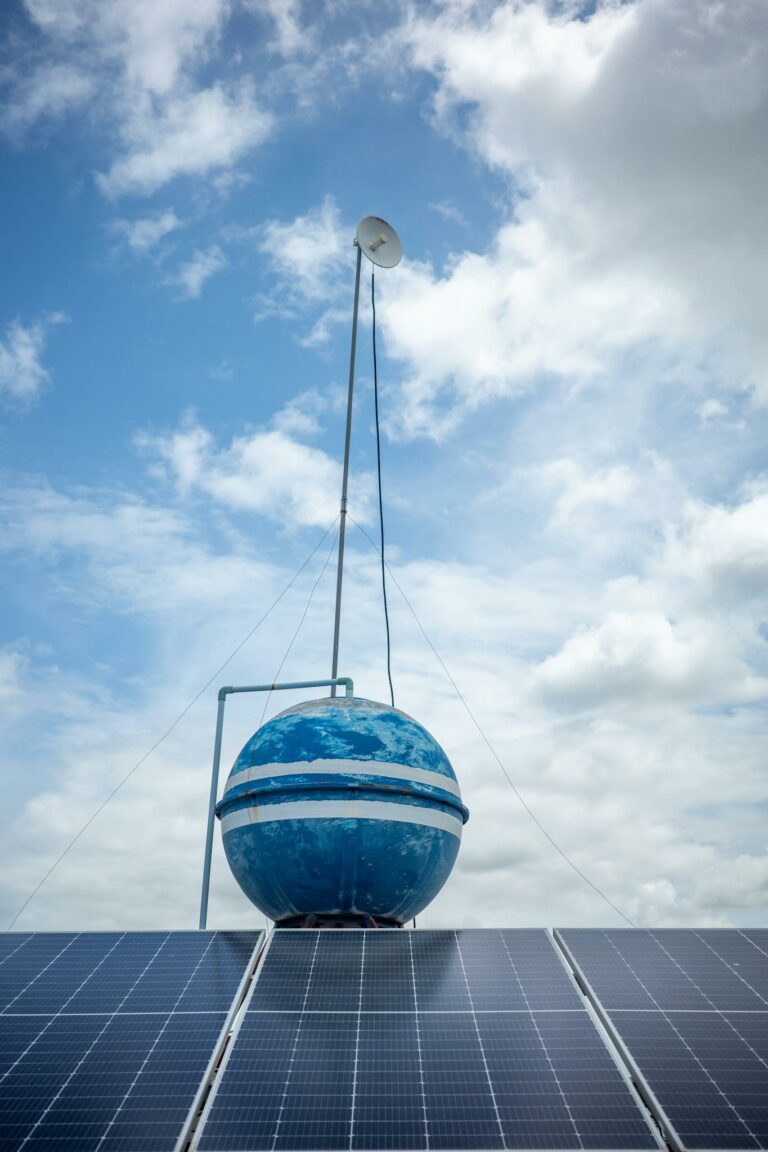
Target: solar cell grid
[[11, 942], [698, 1034], [81, 1067], [745, 959], [388, 978], [282, 985], [454, 1058], [539, 971], [439, 980], [711, 971], [335, 983]]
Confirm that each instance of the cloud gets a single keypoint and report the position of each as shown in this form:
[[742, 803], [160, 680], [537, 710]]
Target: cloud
[[301, 415], [719, 553], [126, 555], [22, 373], [578, 489], [312, 259], [309, 255], [684, 629], [153, 41], [585, 562], [11, 665], [494, 325], [688, 786], [192, 275], [268, 472], [449, 211], [48, 91], [630, 657], [291, 37], [712, 409], [603, 126], [191, 135], [143, 234], [138, 65]]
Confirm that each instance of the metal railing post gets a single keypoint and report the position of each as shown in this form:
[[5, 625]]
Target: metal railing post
[[212, 809], [223, 693]]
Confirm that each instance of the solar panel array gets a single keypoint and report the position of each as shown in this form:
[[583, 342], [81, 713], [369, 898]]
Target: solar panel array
[[106, 1038], [383, 1040], [418, 1040], [691, 1011]]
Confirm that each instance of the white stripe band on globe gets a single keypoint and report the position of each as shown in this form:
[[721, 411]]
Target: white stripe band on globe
[[346, 768], [342, 810]]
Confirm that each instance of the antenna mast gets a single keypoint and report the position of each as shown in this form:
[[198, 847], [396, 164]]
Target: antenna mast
[[381, 245]]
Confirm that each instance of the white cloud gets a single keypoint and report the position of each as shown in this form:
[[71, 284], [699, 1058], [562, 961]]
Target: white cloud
[[712, 409], [158, 40], [22, 373], [601, 590], [495, 324], [138, 62], [449, 211], [301, 415], [192, 134], [720, 553], [11, 665], [631, 657], [578, 489], [268, 472], [133, 556], [634, 135], [290, 35], [141, 235], [312, 258], [192, 275], [310, 254], [683, 630], [661, 807], [60, 18], [49, 90], [152, 40]]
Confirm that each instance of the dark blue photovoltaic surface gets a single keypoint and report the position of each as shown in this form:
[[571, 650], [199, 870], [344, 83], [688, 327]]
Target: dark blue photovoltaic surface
[[691, 1008], [416, 1040], [105, 1038]]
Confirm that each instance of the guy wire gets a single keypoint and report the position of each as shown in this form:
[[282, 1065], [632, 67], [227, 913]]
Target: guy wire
[[493, 751], [381, 501], [292, 641], [171, 727]]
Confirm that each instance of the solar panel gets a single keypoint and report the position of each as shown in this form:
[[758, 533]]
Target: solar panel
[[691, 1011], [106, 1037], [418, 1040]]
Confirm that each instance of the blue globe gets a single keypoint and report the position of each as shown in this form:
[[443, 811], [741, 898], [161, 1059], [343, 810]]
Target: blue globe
[[341, 810]]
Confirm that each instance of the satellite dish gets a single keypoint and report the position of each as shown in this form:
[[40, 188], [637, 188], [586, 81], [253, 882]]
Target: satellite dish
[[379, 241]]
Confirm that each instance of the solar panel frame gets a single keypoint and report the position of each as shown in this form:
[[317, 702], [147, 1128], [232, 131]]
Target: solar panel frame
[[649, 1096], [620, 1020], [237, 1003], [270, 983], [148, 1081]]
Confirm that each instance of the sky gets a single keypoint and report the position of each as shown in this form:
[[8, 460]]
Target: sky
[[573, 371]]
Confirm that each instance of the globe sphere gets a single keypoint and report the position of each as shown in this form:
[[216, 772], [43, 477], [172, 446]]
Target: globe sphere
[[341, 810]]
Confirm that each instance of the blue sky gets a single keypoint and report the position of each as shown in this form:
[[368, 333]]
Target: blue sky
[[573, 368]]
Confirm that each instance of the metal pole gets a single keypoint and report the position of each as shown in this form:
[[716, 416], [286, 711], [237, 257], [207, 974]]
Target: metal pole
[[212, 810], [345, 475], [223, 693]]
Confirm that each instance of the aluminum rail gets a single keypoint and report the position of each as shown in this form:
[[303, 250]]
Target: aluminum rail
[[223, 693]]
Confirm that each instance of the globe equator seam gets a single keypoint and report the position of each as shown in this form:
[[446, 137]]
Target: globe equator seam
[[342, 810]]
